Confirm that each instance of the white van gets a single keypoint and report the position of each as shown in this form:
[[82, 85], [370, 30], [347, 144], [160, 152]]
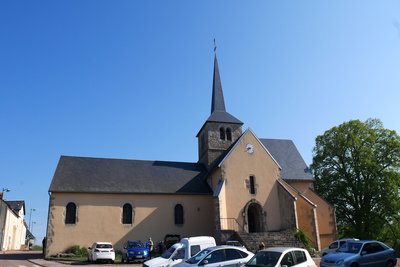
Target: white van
[[183, 250]]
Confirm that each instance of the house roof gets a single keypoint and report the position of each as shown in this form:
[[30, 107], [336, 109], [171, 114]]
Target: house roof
[[16, 205], [102, 175], [289, 158]]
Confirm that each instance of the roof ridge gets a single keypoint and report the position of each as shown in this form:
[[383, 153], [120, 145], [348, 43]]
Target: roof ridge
[[125, 159]]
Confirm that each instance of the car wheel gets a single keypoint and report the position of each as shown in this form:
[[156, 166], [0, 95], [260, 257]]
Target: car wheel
[[389, 264], [323, 254], [354, 264]]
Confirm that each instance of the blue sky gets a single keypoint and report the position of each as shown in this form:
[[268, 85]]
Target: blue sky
[[132, 79]]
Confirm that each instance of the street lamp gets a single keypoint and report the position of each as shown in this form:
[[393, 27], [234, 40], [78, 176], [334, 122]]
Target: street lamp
[[30, 217], [32, 227], [5, 190]]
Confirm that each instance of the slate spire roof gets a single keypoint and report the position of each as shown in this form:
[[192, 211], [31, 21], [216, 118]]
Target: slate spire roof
[[218, 110], [217, 102]]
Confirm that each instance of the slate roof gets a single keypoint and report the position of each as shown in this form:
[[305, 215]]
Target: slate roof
[[218, 110], [289, 158], [102, 175], [16, 205]]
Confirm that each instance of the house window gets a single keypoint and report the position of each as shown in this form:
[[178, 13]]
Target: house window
[[70, 213], [222, 133], [178, 214], [127, 214], [229, 134], [252, 185]]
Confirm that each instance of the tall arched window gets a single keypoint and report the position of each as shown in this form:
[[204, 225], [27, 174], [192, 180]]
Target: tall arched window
[[70, 213], [178, 214], [229, 134], [222, 133], [127, 214]]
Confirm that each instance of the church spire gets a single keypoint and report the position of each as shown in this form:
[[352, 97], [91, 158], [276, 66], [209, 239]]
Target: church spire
[[217, 102]]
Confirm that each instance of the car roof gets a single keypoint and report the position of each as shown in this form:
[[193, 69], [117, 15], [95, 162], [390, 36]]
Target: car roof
[[282, 249], [227, 246]]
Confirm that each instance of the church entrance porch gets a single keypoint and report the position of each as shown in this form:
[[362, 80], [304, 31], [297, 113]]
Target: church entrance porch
[[254, 218]]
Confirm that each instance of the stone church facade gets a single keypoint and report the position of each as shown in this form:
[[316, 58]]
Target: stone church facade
[[241, 184]]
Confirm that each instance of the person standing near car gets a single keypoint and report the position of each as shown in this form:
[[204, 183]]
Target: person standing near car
[[151, 246]]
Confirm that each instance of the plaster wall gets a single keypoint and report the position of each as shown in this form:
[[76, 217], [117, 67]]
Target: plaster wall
[[306, 219], [14, 230], [236, 169], [326, 218], [99, 218]]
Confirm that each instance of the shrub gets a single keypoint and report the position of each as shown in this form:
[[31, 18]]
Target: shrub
[[77, 250], [302, 237]]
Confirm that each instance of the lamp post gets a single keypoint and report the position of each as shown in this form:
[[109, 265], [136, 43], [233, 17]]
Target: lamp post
[[5, 190], [32, 228], [30, 217]]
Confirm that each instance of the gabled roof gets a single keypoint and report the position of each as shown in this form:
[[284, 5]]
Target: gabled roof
[[284, 153], [289, 158], [226, 155], [101, 175], [29, 235], [16, 205]]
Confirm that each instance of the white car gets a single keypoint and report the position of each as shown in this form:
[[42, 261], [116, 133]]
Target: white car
[[219, 256], [103, 251], [335, 245], [281, 256]]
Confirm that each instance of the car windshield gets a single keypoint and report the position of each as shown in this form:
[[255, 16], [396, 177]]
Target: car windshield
[[167, 254], [103, 246], [136, 245], [264, 258], [199, 256], [350, 247]]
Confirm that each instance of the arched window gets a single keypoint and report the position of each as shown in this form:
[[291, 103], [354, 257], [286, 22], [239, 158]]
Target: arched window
[[127, 214], [178, 214], [229, 134], [222, 133], [70, 213]]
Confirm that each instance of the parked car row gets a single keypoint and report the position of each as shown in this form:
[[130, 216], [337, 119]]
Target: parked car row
[[202, 250]]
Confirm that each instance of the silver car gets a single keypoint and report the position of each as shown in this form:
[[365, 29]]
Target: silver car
[[361, 253], [219, 256], [335, 245]]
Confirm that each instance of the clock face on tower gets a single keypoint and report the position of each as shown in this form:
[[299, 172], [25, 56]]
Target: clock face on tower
[[249, 148]]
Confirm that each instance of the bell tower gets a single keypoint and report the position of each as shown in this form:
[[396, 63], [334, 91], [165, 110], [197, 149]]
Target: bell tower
[[221, 129]]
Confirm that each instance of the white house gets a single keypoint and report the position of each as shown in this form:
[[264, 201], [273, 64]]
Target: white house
[[12, 224]]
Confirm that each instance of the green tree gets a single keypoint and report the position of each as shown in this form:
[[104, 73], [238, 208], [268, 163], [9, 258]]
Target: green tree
[[356, 168]]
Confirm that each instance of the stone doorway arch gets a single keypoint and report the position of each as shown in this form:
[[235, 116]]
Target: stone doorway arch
[[254, 217]]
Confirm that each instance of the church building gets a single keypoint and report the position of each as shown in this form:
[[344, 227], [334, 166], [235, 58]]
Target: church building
[[241, 186]]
